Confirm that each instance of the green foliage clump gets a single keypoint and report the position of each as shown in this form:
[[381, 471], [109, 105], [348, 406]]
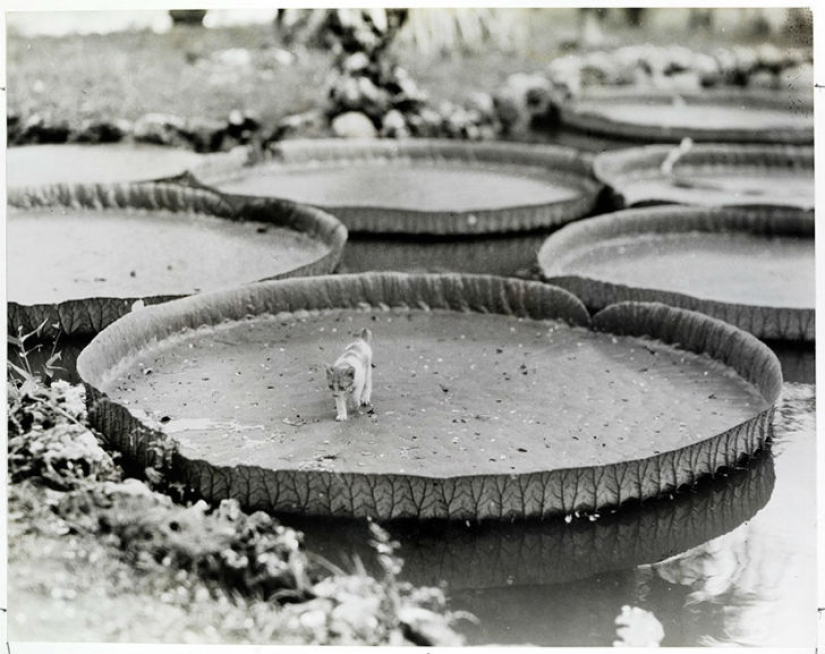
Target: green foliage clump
[[358, 609], [253, 556], [248, 554], [48, 440]]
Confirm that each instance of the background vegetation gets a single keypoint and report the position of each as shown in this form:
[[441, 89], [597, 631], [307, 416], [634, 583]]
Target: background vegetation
[[192, 71]]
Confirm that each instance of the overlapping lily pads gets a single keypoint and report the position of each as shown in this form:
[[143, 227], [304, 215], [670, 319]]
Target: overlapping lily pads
[[81, 256], [745, 116], [710, 174], [752, 267], [493, 398]]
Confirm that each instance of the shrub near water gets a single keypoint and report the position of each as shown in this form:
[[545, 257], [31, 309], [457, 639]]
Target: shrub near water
[[246, 577], [47, 442], [48, 439]]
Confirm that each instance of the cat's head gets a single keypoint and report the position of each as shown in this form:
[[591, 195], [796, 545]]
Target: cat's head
[[341, 379]]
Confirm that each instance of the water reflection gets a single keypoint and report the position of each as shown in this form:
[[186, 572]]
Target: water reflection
[[508, 254], [556, 584], [731, 562], [758, 579], [495, 554], [798, 360]]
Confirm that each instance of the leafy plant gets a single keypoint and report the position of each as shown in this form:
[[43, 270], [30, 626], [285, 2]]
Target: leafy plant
[[27, 393], [161, 451], [24, 375], [391, 565], [361, 609], [48, 439]]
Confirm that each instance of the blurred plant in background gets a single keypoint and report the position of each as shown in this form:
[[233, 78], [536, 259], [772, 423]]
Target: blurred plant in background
[[478, 73], [427, 31], [368, 93], [445, 31]]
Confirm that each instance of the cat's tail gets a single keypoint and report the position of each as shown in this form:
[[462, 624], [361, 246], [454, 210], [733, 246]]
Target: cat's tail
[[366, 335]]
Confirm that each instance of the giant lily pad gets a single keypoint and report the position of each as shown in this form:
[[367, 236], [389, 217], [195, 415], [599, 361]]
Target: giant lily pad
[[723, 116], [424, 187], [37, 165], [710, 175], [751, 267], [494, 398], [80, 256]]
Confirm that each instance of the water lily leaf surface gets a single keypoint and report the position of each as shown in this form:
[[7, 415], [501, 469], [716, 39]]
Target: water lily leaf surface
[[752, 267], [744, 116], [491, 397], [36, 165], [424, 186], [81, 256], [711, 175]]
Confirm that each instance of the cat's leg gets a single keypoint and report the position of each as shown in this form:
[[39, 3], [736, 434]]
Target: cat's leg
[[366, 395], [358, 390], [341, 406]]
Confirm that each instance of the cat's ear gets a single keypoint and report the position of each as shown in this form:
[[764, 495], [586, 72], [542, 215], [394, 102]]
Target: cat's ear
[[349, 371], [329, 372], [366, 335]]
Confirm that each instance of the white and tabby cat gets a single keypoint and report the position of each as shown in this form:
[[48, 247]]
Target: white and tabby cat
[[351, 374]]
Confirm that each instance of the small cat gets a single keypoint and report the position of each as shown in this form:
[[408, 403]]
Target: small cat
[[351, 374]]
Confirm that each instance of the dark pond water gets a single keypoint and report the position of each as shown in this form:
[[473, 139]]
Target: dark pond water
[[731, 561], [39, 353], [513, 255]]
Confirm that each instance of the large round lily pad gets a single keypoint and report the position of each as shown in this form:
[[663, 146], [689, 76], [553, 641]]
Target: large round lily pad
[[752, 267], [710, 175], [80, 256], [37, 165], [746, 116], [492, 397], [422, 186]]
